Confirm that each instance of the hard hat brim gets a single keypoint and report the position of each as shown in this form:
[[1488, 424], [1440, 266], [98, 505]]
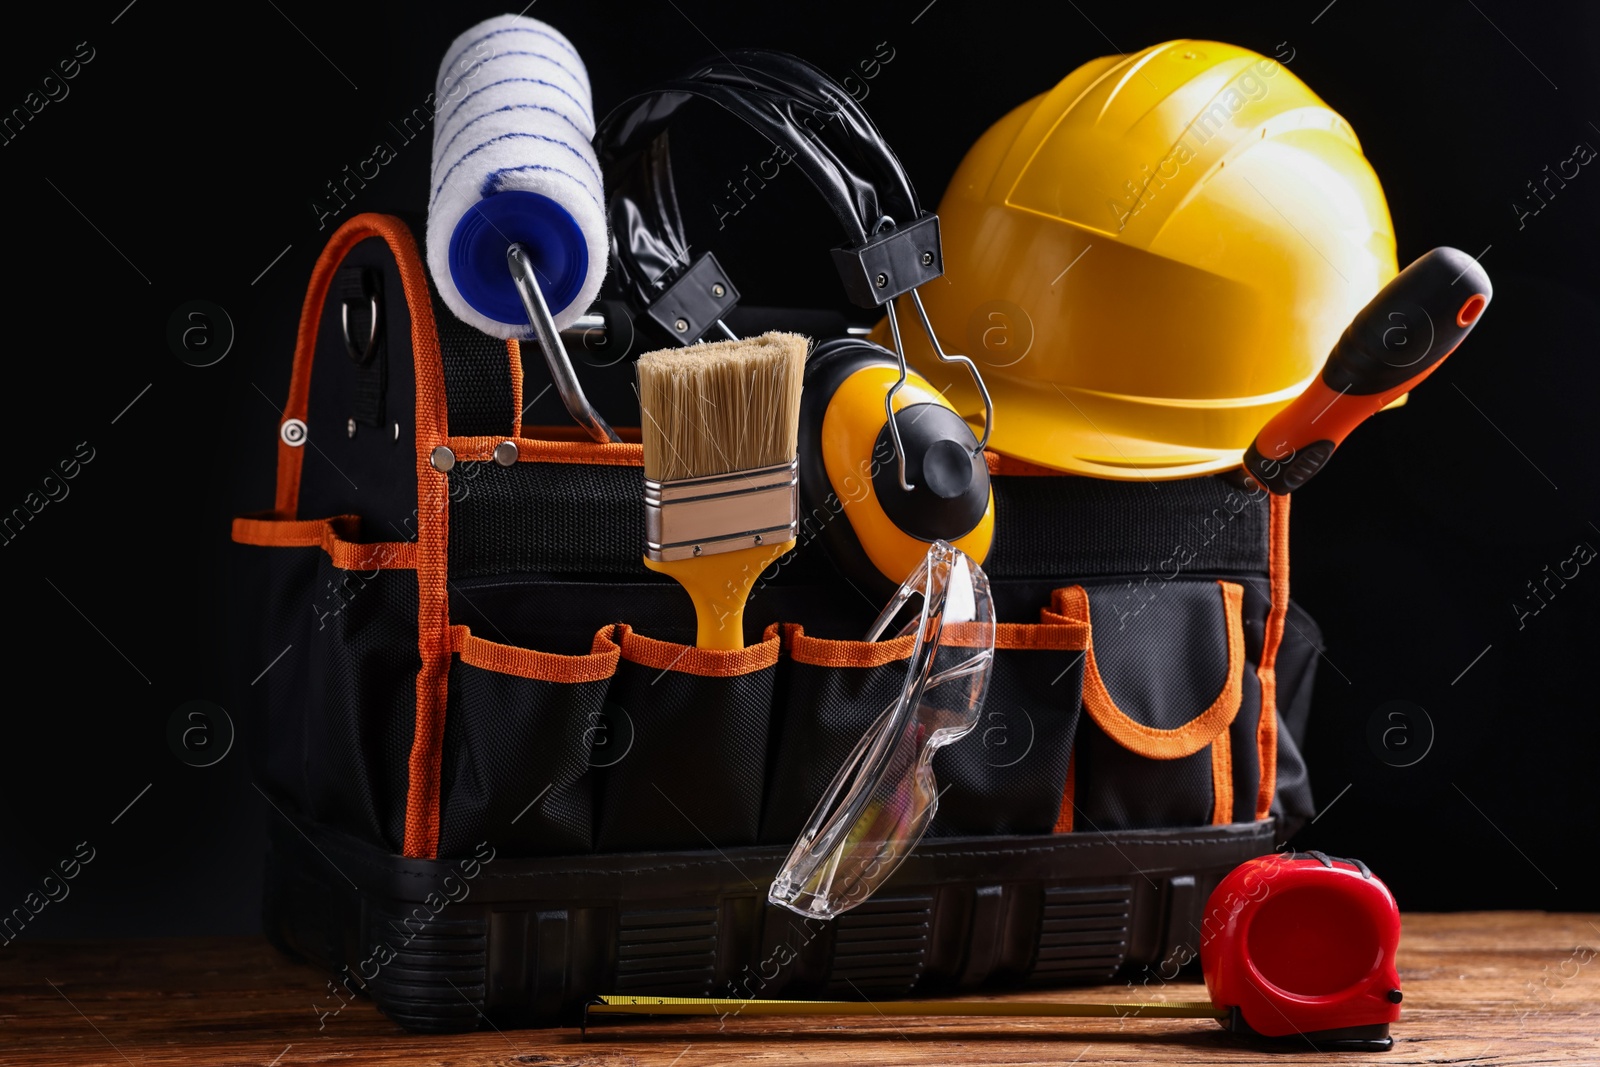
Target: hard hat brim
[[1052, 427]]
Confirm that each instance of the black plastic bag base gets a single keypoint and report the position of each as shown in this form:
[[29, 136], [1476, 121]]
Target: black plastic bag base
[[439, 945]]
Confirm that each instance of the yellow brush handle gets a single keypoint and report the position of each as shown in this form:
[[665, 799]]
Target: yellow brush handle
[[719, 585]]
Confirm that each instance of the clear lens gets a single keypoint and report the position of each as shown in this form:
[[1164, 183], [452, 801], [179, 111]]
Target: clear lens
[[884, 796]]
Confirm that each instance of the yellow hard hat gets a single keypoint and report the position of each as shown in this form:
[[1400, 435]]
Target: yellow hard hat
[[1151, 259]]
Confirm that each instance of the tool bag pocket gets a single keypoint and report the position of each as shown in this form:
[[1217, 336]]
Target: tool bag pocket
[[1005, 777], [333, 655], [831, 692], [1171, 707], [1009, 775], [696, 723], [520, 745]]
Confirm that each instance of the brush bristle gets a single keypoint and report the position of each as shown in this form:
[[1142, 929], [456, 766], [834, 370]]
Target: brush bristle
[[722, 406]]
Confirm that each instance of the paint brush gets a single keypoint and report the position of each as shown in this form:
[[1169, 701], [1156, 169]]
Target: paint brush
[[719, 426]]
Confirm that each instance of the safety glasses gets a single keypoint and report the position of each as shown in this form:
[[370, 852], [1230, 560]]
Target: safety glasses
[[884, 797]]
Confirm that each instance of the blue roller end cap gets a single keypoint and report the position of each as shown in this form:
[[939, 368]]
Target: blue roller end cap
[[554, 242]]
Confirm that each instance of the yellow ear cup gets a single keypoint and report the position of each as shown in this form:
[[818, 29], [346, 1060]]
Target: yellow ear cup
[[853, 457], [850, 490]]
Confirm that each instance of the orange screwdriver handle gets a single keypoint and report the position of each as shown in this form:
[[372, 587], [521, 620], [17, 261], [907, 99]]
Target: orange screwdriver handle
[[1401, 336]]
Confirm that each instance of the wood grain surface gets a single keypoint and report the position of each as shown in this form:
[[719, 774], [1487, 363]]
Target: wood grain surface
[[1485, 989]]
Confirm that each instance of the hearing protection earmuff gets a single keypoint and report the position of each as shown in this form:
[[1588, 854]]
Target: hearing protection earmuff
[[878, 445], [849, 469]]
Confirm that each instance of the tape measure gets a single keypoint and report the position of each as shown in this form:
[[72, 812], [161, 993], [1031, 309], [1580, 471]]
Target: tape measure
[[1295, 948]]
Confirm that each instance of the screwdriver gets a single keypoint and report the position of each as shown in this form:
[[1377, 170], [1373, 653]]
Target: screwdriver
[[1401, 336]]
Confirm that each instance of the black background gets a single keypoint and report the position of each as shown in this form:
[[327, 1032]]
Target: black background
[[186, 158]]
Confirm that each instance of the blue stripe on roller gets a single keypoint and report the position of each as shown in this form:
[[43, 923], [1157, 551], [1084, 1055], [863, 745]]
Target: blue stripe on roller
[[552, 60], [491, 181], [558, 42], [440, 153], [507, 81], [576, 81], [514, 137], [478, 253]]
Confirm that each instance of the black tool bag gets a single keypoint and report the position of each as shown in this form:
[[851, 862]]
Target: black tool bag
[[507, 782]]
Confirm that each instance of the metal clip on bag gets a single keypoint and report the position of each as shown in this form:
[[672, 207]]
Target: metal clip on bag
[[884, 797]]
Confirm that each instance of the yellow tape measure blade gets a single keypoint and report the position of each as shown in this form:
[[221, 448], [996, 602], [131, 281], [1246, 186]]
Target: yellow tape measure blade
[[619, 1004]]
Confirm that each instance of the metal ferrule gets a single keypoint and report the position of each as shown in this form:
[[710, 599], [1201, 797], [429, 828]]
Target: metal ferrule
[[691, 517]]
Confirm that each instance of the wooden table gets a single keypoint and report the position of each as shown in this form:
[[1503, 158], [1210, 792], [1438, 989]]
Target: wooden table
[[1486, 989]]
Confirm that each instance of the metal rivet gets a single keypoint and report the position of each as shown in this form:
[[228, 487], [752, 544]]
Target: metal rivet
[[719, 291], [682, 325], [505, 453], [350, 428], [758, 539], [883, 280], [292, 433], [441, 459], [927, 259], [697, 550]]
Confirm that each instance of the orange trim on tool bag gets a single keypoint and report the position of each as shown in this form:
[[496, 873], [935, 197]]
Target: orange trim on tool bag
[[1222, 779], [331, 535], [705, 662], [1149, 741], [611, 454], [1049, 636], [629, 434], [1080, 627], [433, 520], [999, 464], [514, 356], [433, 560], [1267, 728], [596, 665], [346, 237], [1039, 635], [290, 458], [273, 529], [1069, 795], [1067, 635], [826, 652]]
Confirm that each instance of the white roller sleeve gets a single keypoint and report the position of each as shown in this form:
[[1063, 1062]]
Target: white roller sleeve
[[514, 112]]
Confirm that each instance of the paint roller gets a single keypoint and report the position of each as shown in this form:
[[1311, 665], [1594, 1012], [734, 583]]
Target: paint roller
[[516, 231]]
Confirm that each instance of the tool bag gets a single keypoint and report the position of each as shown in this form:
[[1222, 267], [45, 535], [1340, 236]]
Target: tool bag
[[504, 782]]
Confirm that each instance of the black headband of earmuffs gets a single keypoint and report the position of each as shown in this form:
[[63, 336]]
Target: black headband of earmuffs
[[804, 113]]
